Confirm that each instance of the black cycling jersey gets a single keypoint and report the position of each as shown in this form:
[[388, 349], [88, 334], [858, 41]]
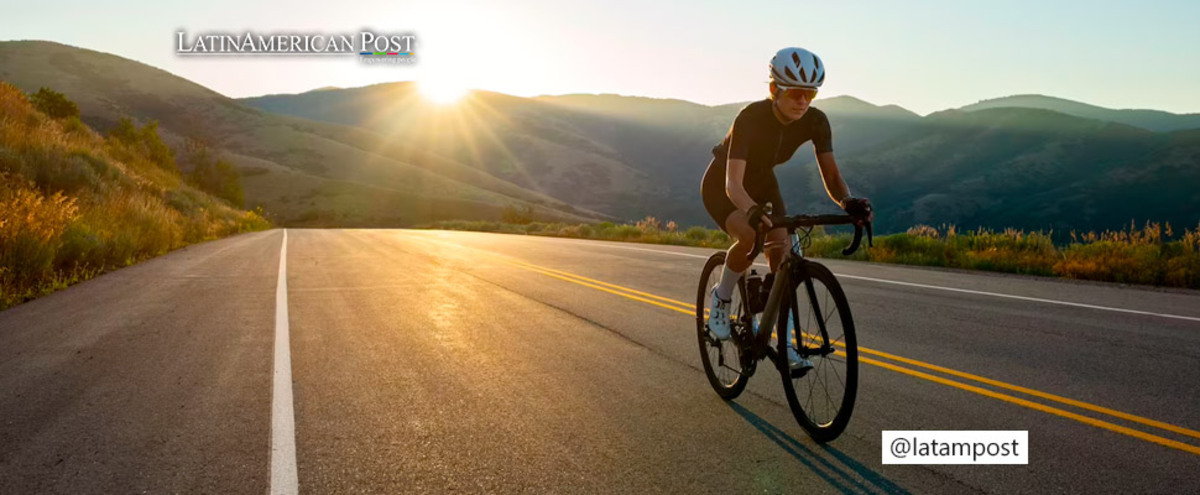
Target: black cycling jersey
[[758, 137]]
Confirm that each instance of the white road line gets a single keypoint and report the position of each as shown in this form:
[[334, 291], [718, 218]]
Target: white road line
[[1025, 298], [284, 480], [936, 287]]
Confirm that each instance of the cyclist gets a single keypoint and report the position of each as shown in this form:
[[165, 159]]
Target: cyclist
[[740, 180]]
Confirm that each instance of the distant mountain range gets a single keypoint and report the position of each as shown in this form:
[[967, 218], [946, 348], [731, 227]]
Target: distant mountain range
[[1151, 120], [1028, 162], [993, 167]]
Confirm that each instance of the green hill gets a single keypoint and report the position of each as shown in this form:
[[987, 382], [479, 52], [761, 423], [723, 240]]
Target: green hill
[[1029, 169]]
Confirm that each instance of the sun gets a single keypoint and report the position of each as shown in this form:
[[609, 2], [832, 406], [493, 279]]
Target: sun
[[442, 91]]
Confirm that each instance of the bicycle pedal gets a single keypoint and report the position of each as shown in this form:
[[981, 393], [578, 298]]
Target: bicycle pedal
[[799, 373]]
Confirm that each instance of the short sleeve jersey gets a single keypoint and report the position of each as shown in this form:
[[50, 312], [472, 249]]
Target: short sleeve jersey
[[758, 137]]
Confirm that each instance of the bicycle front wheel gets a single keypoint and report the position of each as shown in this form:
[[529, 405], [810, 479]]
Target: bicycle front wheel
[[821, 398], [723, 362]]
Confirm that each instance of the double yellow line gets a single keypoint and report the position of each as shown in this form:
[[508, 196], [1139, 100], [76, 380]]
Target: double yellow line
[[690, 309]]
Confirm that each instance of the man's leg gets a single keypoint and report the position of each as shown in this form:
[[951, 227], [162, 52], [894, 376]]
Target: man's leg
[[736, 260], [778, 245]]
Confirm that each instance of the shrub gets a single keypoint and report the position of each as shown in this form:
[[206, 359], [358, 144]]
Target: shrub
[[54, 104], [627, 232], [211, 173], [649, 225], [144, 142], [73, 125], [519, 216], [718, 238], [923, 231], [30, 232], [696, 234]]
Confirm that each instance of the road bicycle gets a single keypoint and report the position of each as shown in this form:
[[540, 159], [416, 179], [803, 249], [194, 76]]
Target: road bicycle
[[802, 295]]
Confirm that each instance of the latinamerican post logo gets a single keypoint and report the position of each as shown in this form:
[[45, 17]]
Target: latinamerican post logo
[[370, 46]]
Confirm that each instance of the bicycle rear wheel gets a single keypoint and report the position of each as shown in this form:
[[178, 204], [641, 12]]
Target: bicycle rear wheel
[[723, 363], [822, 398]]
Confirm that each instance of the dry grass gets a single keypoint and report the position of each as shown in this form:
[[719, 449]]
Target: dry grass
[[1153, 255], [74, 204]]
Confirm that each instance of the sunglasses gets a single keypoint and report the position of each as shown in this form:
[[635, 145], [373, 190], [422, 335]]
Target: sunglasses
[[795, 94]]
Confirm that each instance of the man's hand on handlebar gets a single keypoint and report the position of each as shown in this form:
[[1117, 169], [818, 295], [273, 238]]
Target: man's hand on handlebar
[[760, 215], [860, 209]]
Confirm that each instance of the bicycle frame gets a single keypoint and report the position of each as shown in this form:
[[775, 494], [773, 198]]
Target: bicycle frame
[[784, 284]]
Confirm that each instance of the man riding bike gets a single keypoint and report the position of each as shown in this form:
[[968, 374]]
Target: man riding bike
[[740, 180]]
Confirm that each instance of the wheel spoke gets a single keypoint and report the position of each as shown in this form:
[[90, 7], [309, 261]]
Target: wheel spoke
[[808, 406], [832, 307]]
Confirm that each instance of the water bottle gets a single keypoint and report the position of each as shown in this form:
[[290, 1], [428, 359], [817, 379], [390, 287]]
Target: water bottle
[[759, 297], [754, 292]]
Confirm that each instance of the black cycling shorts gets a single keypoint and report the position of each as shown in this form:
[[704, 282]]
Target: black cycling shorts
[[762, 189]]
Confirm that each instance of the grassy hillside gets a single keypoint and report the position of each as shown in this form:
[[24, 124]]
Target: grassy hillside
[[75, 204], [337, 175]]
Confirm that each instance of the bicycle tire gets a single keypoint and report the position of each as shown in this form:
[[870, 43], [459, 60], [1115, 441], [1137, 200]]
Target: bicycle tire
[[820, 423], [728, 379]]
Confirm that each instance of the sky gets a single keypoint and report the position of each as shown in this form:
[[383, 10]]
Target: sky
[[924, 55]]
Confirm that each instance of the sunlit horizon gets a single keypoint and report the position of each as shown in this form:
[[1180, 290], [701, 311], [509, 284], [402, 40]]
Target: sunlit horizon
[[885, 54], [442, 92]]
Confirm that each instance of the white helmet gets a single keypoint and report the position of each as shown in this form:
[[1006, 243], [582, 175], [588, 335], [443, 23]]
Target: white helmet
[[797, 68]]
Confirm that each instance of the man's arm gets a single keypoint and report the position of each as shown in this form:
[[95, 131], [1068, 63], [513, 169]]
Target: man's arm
[[735, 171], [834, 184]]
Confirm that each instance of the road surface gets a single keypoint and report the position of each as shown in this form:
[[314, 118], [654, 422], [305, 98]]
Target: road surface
[[431, 362]]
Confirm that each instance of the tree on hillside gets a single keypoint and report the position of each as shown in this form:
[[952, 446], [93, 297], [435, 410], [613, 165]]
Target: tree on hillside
[[54, 104], [212, 173], [517, 215], [145, 141]]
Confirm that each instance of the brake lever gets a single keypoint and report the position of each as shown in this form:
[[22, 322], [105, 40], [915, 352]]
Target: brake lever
[[854, 244], [760, 234]]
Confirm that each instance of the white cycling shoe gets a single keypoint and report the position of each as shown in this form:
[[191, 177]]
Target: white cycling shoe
[[795, 362], [718, 317]]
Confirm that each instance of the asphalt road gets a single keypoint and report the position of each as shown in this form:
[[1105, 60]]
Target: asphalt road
[[427, 361]]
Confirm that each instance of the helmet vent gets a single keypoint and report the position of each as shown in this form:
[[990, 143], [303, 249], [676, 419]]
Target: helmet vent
[[803, 77], [789, 72], [796, 58], [816, 61]]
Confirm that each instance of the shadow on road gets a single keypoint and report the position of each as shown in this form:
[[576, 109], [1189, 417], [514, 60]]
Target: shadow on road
[[835, 467]]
